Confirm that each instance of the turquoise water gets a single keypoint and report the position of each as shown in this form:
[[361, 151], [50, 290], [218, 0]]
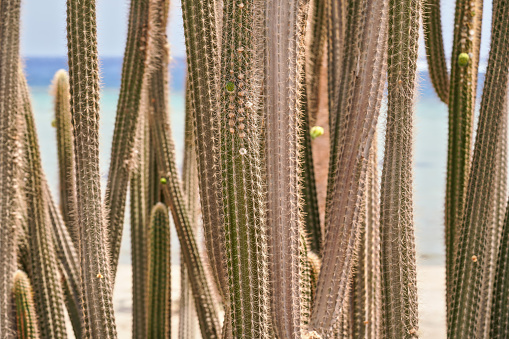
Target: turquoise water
[[430, 143]]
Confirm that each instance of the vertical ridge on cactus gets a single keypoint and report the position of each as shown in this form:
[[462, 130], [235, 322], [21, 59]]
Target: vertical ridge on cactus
[[202, 40], [140, 214], [9, 156], [462, 98], [159, 267], [398, 257], [165, 151], [362, 82], [284, 63], [471, 259], [435, 48], [65, 145], [128, 108], [96, 276], [25, 311], [43, 262]]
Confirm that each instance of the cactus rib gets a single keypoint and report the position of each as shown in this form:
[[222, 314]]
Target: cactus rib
[[25, 311], [96, 277], [471, 260]]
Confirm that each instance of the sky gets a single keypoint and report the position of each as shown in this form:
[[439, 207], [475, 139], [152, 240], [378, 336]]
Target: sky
[[43, 28]]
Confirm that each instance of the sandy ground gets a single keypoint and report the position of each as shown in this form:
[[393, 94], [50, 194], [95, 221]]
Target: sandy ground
[[431, 282]]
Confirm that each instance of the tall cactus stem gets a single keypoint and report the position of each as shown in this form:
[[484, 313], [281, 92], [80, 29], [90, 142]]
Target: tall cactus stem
[[465, 318], [128, 111], [362, 78], [159, 268], [43, 262], [435, 48], [65, 146], [25, 311], [96, 277], [398, 257], [165, 151], [9, 153], [462, 98]]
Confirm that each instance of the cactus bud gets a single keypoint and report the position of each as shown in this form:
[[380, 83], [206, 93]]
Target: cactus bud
[[316, 131], [463, 59], [163, 181]]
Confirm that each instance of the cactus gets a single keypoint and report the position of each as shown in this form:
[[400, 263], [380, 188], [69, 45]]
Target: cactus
[[164, 148], [360, 92], [202, 40], [187, 314], [462, 98], [133, 74], [139, 204], [25, 311], [159, 268], [95, 273], [65, 145], [68, 263], [398, 258], [43, 262], [9, 110], [435, 48], [471, 259]]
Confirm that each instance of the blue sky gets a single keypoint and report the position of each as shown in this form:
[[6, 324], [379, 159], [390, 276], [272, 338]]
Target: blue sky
[[43, 27]]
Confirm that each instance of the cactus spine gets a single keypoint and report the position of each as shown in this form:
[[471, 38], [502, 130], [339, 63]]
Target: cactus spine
[[43, 261], [471, 260], [164, 147], [159, 268], [128, 108], [360, 92], [84, 86], [65, 145], [25, 311], [398, 258], [462, 97], [435, 48], [9, 151]]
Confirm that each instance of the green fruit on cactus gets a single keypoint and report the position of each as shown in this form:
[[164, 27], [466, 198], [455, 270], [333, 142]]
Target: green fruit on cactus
[[316, 131], [463, 59], [163, 181]]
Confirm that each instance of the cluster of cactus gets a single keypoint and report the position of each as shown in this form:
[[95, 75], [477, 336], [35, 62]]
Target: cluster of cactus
[[272, 264]]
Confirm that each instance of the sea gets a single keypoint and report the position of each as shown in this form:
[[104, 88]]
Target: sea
[[430, 147]]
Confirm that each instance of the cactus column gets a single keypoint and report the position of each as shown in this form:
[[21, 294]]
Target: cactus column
[[9, 155], [84, 83], [25, 311]]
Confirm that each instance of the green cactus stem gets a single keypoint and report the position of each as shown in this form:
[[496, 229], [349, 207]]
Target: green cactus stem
[[43, 262], [462, 99], [159, 272], [65, 146], [25, 311], [128, 108], [201, 25], [9, 148], [435, 48], [471, 259], [398, 258], [165, 152], [360, 92], [96, 277]]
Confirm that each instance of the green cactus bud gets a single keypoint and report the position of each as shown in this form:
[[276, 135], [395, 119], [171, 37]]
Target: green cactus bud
[[25, 311], [230, 86], [53, 123], [316, 131], [463, 59], [163, 181]]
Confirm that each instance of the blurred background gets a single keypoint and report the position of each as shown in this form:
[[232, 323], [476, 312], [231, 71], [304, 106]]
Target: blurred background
[[44, 51]]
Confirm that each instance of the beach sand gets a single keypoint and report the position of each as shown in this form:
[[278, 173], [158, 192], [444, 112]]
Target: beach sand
[[431, 283]]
